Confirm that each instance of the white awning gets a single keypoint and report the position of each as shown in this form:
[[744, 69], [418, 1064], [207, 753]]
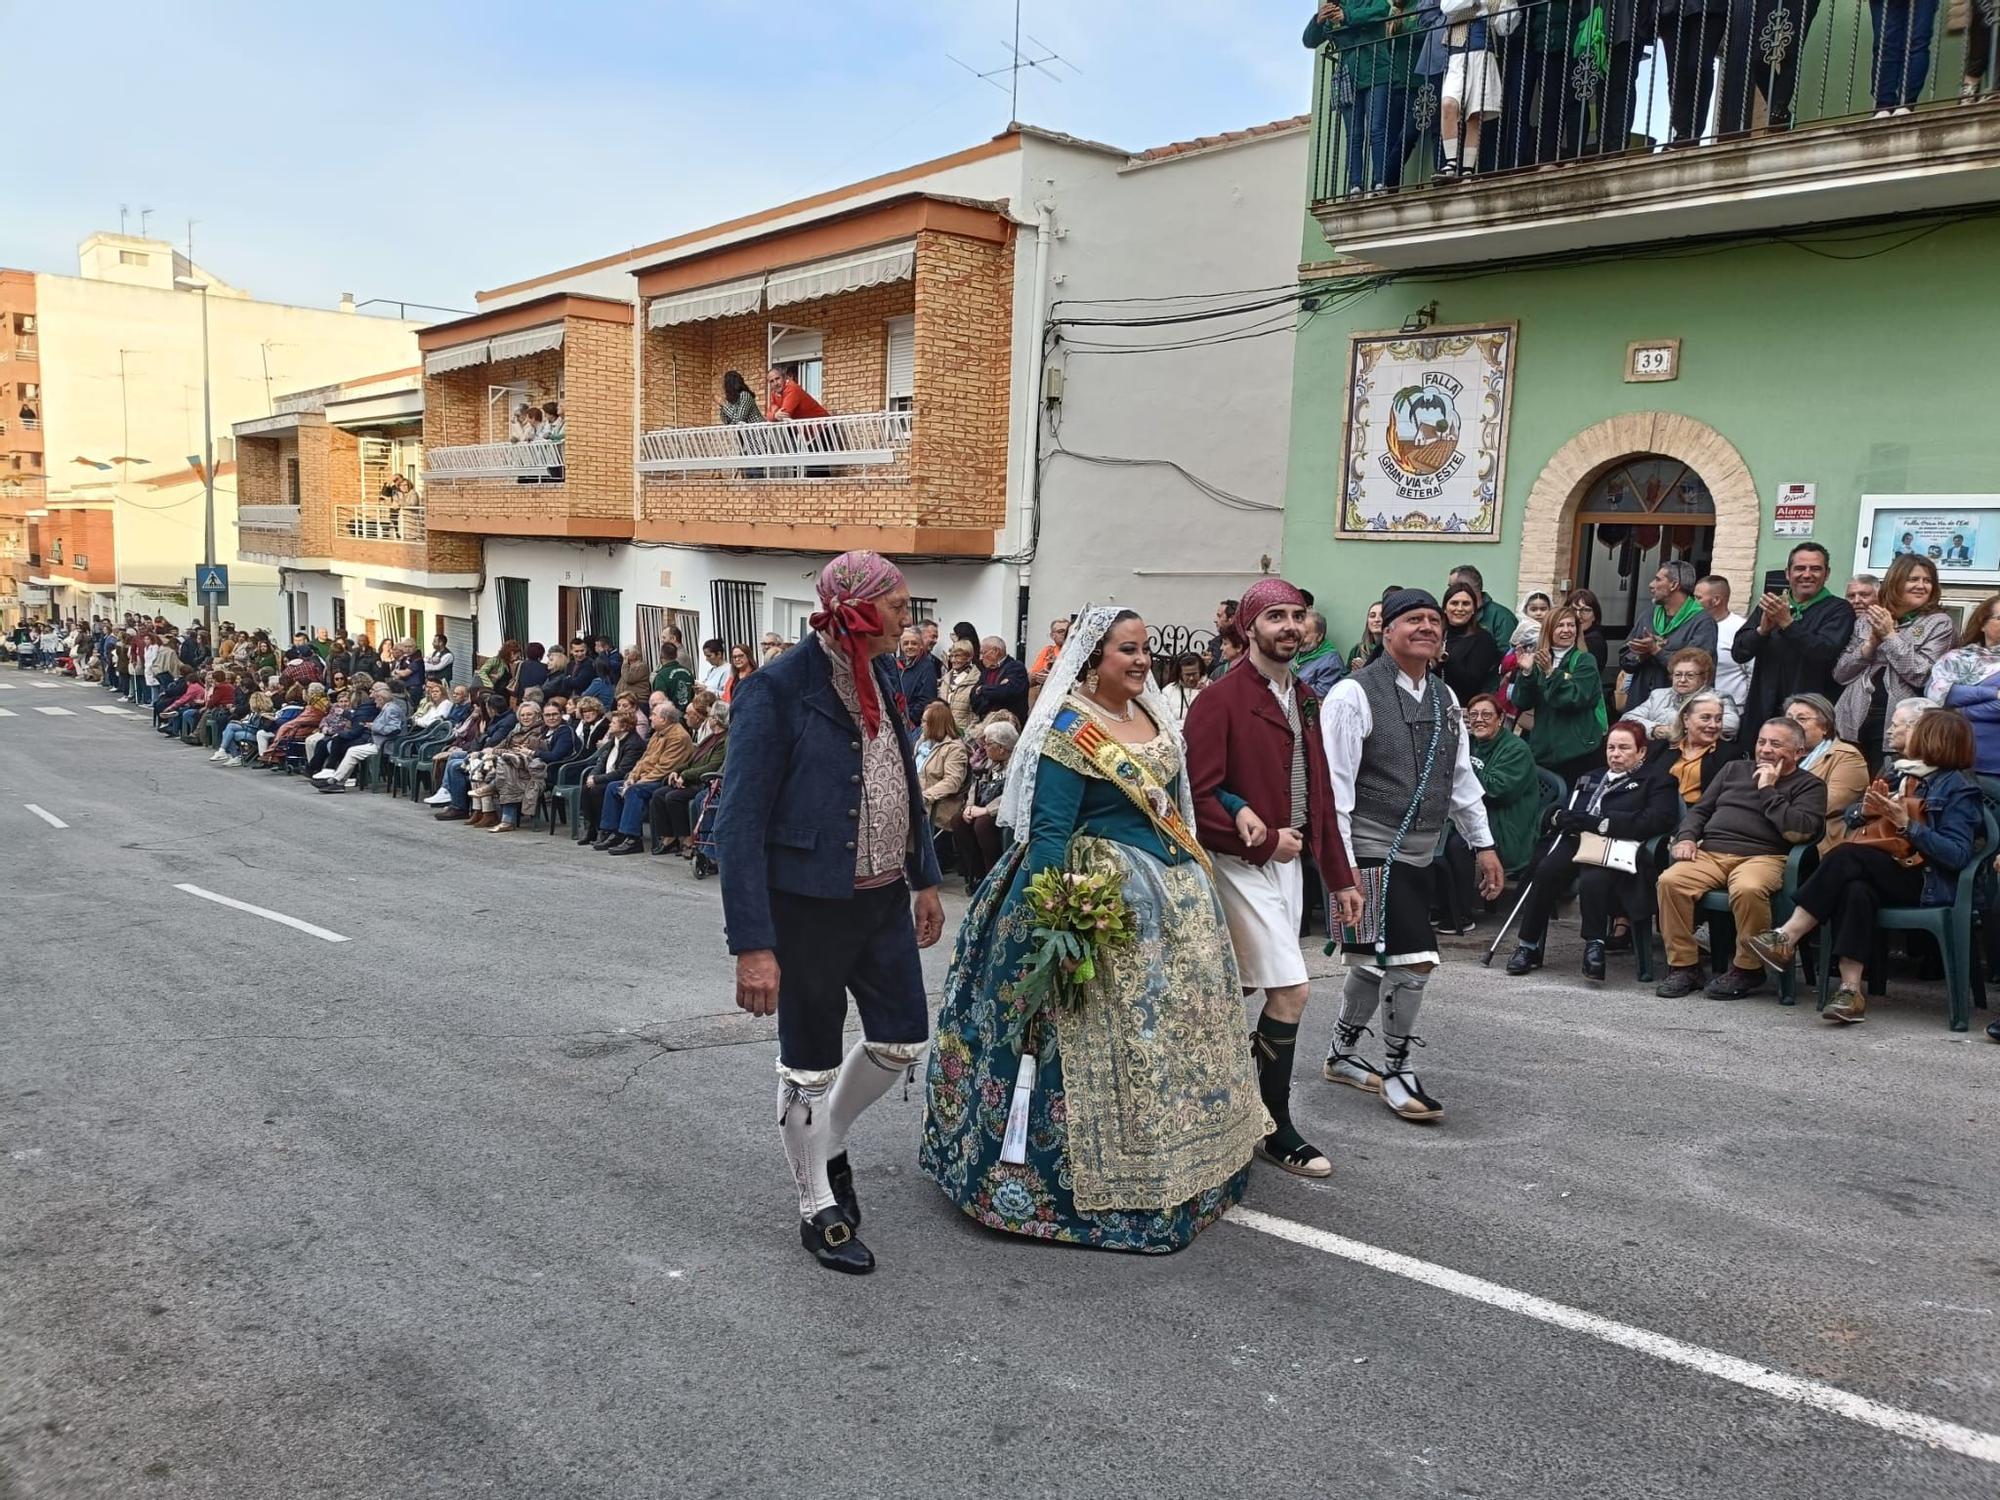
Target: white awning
[[457, 357], [729, 300], [533, 341], [846, 273]]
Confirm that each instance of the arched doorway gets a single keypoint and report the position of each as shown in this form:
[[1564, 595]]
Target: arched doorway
[[1640, 512], [1549, 556]]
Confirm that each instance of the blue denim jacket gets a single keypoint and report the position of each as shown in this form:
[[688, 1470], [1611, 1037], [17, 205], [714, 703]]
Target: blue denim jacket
[[1948, 835], [790, 793]]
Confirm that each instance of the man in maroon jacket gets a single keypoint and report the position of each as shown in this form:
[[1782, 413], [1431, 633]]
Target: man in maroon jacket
[[1257, 771]]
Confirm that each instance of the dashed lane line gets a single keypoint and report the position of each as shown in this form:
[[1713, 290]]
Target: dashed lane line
[[45, 815], [264, 912], [8, 713], [55, 709], [109, 708], [1969, 1441]]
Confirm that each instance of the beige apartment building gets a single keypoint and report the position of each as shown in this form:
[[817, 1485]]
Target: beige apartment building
[[110, 361]]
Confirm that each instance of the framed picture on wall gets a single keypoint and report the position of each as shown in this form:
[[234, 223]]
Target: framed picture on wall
[[1425, 450], [1959, 533]]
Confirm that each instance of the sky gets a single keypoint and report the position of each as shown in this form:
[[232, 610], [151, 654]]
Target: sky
[[423, 151]]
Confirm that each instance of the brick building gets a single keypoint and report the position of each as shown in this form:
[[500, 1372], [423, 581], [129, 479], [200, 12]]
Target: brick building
[[921, 308], [312, 502]]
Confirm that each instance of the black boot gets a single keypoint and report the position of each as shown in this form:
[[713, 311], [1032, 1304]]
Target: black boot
[[1523, 960], [840, 1177], [831, 1239], [1272, 1046], [1593, 959]]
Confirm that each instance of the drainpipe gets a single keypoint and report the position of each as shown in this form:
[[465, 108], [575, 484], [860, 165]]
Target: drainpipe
[[1031, 431]]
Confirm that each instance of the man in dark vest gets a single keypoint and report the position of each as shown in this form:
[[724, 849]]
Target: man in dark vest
[[829, 882], [1678, 623], [1401, 765]]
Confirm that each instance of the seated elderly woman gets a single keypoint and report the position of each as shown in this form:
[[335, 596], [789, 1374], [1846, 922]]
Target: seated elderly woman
[[625, 801], [591, 723], [617, 753], [679, 802], [501, 775], [1689, 671], [343, 725], [290, 738], [488, 722], [519, 779], [960, 677], [1834, 761], [391, 714], [1914, 830], [1630, 801], [1695, 750], [976, 830], [943, 767]]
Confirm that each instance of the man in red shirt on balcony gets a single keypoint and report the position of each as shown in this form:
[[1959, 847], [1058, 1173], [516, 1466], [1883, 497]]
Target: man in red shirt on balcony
[[790, 401]]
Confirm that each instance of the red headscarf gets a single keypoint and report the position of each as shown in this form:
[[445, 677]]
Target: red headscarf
[[848, 618]]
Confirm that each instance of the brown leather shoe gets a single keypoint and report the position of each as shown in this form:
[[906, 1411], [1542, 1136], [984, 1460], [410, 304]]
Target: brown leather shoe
[[452, 815], [481, 819]]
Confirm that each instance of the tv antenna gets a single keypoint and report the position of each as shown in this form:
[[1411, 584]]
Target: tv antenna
[[1018, 61]]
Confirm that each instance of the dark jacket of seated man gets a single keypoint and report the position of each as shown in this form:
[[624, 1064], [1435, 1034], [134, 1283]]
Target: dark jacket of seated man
[[1736, 816], [791, 794]]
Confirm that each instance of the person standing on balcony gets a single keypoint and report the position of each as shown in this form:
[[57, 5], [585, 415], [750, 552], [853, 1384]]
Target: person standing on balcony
[[790, 401], [1901, 61], [1373, 85], [1691, 36], [1767, 38], [1472, 87], [739, 402], [829, 886]]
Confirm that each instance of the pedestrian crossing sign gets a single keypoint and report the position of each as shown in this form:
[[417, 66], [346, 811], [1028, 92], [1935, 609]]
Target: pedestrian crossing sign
[[212, 583]]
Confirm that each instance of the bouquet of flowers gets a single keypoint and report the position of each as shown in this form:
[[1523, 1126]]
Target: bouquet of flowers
[[1075, 917]]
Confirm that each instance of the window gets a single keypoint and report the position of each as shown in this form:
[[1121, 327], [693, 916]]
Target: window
[[513, 609], [571, 618], [804, 347], [82, 562], [56, 555], [133, 258], [789, 617], [392, 620], [290, 495], [340, 616], [301, 609], [737, 607], [922, 610], [601, 608], [902, 364]]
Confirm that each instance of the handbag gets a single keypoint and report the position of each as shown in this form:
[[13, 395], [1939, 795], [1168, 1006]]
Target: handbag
[[1879, 833], [1610, 854]]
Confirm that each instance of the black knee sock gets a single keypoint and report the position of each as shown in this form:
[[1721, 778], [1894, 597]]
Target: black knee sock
[[1273, 1044]]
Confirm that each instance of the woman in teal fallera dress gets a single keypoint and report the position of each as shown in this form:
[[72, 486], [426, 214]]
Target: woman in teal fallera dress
[[1145, 1106]]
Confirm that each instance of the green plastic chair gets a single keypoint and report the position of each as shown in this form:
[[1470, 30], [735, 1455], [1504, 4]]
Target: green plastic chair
[[564, 788], [1722, 938], [1950, 925], [415, 748]]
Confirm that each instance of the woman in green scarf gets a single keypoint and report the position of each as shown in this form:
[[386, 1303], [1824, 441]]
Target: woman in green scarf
[[1506, 769], [1561, 685]]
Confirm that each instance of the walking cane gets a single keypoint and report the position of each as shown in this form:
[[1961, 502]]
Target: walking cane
[[1526, 886]]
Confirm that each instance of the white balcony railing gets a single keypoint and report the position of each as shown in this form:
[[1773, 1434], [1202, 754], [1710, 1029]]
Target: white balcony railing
[[539, 459], [857, 438], [25, 349], [378, 521], [31, 424]]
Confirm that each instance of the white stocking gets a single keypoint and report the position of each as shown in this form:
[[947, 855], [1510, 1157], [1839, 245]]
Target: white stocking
[[802, 1124], [866, 1074]]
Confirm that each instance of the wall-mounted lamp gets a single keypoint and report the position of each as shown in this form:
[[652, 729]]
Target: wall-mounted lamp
[[1421, 319]]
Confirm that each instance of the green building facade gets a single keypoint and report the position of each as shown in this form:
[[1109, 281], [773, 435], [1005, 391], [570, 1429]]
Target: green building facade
[[1826, 304]]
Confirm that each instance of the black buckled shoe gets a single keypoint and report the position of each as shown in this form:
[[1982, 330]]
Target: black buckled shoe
[[831, 1239], [840, 1177], [1593, 959], [1524, 960]]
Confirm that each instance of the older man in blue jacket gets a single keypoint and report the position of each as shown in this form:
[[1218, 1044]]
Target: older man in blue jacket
[[829, 885]]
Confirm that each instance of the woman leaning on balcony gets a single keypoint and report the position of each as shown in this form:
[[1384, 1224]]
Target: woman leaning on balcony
[[739, 402]]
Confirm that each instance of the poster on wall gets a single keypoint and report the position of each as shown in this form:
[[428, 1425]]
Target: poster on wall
[[1426, 445], [1959, 533]]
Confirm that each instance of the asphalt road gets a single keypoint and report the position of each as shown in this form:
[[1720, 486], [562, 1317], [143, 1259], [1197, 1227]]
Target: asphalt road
[[489, 1201]]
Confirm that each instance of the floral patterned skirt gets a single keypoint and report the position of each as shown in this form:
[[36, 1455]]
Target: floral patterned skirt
[[1145, 1107]]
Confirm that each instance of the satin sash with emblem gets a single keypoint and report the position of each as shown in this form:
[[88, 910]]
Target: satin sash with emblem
[[1078, 739]]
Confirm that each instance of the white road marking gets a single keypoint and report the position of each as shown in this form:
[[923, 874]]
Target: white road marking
[[45, 815], [108, 708], [8, 713], [50, 686], [50, 708], [265, 913], [1969, 1441], [8, 687]]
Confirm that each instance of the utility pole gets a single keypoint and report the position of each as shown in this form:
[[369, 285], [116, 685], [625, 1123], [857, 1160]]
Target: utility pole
[[207, 466]]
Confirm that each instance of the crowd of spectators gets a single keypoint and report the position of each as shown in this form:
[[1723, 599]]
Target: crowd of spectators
[[1466, 86], [1708, 753]]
